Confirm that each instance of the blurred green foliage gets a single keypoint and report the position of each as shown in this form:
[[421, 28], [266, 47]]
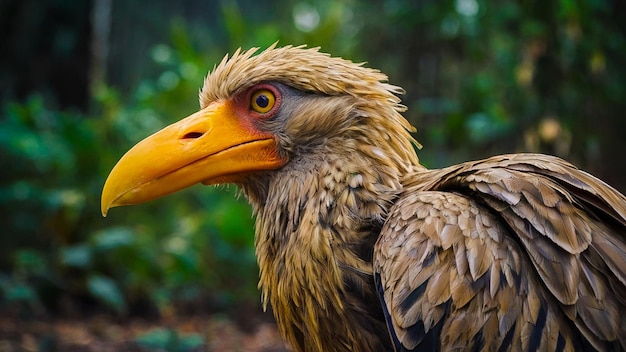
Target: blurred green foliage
[[170, 340], [56, 244], [481, 78], [490, 77]]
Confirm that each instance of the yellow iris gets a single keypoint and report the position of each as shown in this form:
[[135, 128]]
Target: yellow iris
[[262, 101]]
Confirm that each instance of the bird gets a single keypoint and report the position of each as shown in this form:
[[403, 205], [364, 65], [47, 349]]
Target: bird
[[362, 248]]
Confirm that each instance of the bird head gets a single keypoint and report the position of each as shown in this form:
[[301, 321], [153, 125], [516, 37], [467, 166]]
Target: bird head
[[258, 113]]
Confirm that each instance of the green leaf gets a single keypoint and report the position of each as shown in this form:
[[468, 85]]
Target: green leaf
[[30, 261], [78, 256], [19, 292], [169, 340], [113, 237], [107, 291]]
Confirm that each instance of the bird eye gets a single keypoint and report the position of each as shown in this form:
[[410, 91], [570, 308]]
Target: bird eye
[[262, 101]]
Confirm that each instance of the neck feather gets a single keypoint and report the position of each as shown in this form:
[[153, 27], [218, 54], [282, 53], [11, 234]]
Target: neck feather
[[314, 239]]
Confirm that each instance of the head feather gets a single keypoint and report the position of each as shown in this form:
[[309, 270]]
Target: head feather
[[303, 68], [310, 70]]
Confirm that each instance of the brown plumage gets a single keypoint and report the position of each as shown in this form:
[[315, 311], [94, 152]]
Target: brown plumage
[[361, 248]]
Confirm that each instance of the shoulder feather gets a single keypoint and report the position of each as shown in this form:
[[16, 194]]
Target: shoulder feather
[[522, 250]]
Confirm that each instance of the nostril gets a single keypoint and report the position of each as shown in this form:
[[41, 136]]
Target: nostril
[[192, 135]]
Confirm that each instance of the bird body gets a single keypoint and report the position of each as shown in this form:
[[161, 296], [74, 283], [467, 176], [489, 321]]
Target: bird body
[[360, 247]]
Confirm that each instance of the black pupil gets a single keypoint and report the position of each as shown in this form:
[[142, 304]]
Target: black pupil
[[262, 101]]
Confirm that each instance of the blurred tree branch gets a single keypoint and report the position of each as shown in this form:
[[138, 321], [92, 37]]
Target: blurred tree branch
[[101, 28]]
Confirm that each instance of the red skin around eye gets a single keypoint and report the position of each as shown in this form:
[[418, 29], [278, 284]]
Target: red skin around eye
[[243, 104]]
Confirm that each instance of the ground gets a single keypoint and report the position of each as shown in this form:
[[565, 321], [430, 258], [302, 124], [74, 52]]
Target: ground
[[109, 333]]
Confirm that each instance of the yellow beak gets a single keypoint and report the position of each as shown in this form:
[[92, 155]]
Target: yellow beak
[[214, 145]]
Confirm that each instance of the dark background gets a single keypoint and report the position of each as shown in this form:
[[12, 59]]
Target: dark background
[[82, 81]]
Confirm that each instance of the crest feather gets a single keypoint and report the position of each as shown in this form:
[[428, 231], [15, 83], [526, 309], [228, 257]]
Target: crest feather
[[303, 68]]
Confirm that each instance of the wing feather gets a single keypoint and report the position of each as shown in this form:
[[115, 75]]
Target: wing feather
[[513, 252]]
